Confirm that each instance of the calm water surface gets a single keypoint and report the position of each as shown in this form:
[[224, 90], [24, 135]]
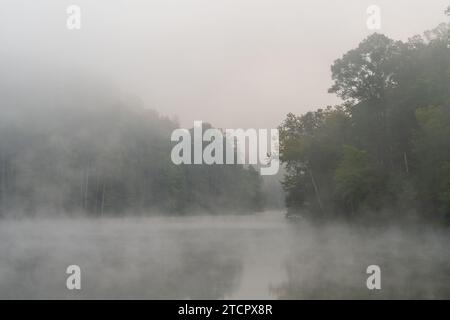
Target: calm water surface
[[261, 256]]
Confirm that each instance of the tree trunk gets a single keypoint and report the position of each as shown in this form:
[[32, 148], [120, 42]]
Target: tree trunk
[[86, 190], [3, 186], [82, 190], [405, 157], [103, 199], [316, 190], [97, 184]]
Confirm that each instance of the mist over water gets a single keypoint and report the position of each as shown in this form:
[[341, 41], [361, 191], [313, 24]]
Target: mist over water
[[260, 256], [87, 176]]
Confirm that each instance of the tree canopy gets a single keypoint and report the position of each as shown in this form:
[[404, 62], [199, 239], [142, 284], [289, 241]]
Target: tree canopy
[[386, 148]]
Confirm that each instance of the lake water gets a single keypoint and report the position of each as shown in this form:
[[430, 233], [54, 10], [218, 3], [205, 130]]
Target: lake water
[[261, 256]]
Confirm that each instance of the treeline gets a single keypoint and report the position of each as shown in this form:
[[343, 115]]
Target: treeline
[[386, 149], [70, 149]]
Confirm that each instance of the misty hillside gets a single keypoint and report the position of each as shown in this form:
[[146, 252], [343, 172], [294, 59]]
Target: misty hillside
[[226, 149], [74, 145]]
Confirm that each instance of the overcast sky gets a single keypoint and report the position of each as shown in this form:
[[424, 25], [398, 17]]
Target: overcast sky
[[234, 63]]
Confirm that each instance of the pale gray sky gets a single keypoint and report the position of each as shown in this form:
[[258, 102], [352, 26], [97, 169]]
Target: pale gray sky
[[234, 63]]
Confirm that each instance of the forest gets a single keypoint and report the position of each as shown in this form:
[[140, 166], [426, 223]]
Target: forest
[[81, 151], [384, 153]]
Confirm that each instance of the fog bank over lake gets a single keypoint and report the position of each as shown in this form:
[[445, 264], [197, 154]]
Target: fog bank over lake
[[261, 256]]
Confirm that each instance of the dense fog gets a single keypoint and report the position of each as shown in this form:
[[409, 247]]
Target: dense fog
[[87, 178], [227, 257]]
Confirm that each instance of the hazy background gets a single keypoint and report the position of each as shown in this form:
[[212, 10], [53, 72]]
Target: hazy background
[[85, 172], [233, 63]]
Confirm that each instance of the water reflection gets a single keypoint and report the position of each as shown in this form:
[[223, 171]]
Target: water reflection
[[228, 257], [330, 263]]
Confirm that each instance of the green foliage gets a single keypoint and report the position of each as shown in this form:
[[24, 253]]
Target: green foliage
[[365, 73], [103, 159], [310, 148], [383, 148], [444, 188], [356, 177], [432, 151]]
